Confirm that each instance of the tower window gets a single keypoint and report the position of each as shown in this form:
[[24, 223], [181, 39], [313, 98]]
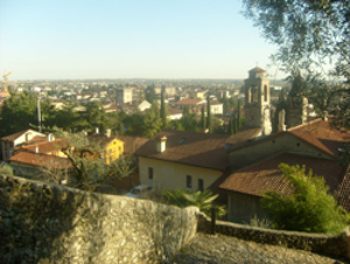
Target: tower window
[[265, 93]]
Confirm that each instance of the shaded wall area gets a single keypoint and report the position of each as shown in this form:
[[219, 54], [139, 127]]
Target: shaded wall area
[[337, 246], [46, 223]]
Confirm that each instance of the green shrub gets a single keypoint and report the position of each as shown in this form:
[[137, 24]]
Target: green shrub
[[6, 170], [310, 208], [202, 200]]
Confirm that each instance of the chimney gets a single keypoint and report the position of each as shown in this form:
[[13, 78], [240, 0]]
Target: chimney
[[50, 137], [97, 130], [108, 132], [325, 116], [161, 144]]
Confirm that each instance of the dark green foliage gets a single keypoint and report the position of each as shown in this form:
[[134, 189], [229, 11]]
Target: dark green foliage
[[152, 123], [145, 124], [308, 33], [18, 112], [310, 208], [188, 120], [150, 93]]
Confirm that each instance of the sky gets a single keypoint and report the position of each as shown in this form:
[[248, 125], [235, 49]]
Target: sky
[[68, 39]]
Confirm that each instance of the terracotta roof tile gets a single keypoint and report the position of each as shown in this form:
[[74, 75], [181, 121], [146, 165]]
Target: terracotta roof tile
[[44, 146], [322, 135], [265, 175], [132, 144], [40, 160], [196, 149], [318, 133], [190, 101], [14, 136]]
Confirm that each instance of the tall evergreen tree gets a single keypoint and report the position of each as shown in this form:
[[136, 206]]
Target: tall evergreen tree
[[238, 119], [225, 103], [163, 107], [208, 114], [203, 123]]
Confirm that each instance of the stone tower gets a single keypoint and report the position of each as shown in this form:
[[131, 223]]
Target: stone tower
[[296, 113], [297, 103], [257, 101]]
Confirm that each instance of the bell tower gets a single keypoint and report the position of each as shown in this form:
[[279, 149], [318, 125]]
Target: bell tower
[[257, 101]]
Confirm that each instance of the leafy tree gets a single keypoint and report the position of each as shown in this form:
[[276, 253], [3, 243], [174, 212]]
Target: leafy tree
[[202, 200], [150, 93], [89, 169], [19, 111], [6, 170], [152, 122], [311, 34], [306, 32], [310, 208], [67, 118], [133, 124], [122, 168], [188, 120]]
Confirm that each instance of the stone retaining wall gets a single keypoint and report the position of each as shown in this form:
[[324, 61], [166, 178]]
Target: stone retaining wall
[[44, 223], [330, 245]]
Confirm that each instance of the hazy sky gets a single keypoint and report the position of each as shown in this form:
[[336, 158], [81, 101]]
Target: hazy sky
[[129, 39]]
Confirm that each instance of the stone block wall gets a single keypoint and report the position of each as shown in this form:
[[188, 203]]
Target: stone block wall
[[329, 245], [44, 223]]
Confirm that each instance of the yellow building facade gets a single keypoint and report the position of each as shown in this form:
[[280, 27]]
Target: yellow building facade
[[113, 149], [167, 175]]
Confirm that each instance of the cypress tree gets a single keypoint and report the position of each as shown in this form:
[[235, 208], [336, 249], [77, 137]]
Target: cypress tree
[[162, 107], [203, 124], [238, 120], [225, 103], [208, 114]]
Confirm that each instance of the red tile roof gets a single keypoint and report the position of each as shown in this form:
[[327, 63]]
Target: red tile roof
[[190, 101], [40, 160], [322, 135], [318, 133], [14, 136], [264, 176], [132, 144], [44, 146], [196, 149]]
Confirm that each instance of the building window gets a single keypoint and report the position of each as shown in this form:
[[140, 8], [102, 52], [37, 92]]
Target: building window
[[265, 93], [200, 185], [189, 181], [150, 173]]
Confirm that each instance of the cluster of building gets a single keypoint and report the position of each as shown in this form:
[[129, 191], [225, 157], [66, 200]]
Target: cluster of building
[[240, 167]]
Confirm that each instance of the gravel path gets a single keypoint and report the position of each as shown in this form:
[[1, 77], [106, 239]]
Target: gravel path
[[220, 249]]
